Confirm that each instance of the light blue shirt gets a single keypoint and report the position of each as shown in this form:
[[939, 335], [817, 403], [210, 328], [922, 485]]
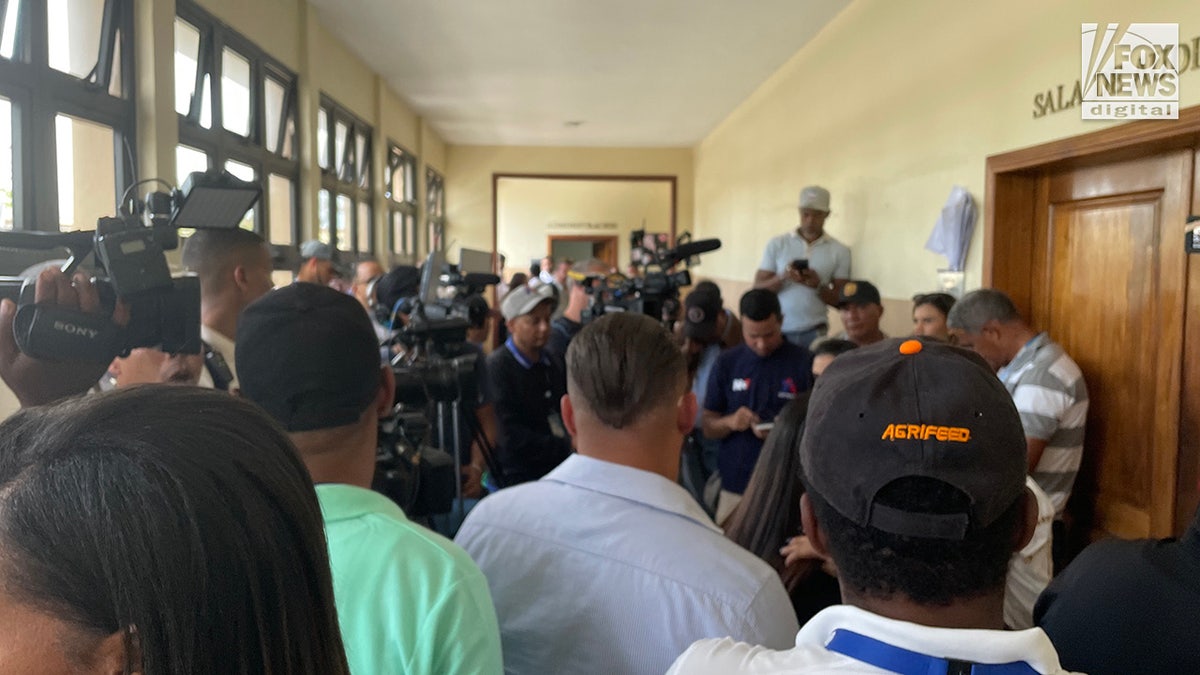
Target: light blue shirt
[[603, 568]]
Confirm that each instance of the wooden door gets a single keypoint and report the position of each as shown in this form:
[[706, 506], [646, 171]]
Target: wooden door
[[1109, 285]]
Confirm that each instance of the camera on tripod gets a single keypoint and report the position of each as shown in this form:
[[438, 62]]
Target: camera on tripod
[[437, 387], [131, 266]]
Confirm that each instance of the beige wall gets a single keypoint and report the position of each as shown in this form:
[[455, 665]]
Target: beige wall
[[470, 168], [889, 107], [529, 210]]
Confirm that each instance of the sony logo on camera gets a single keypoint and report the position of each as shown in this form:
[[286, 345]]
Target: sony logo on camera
[[75, 329]]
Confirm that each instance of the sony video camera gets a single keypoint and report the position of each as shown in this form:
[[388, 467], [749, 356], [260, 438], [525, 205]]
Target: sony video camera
[[131, 267]]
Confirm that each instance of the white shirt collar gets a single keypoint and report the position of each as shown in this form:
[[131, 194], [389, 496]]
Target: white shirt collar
[[980, 646], [635, 485], [823, 238]]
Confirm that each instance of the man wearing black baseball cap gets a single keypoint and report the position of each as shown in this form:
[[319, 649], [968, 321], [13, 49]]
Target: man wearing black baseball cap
[[860, 309], [913, 461], [307, 355]]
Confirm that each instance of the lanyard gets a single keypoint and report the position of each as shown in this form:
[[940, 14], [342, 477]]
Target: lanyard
[[899, 660]]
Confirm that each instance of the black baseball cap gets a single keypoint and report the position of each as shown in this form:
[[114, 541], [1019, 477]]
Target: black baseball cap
[[700, 316], [308, 355], [905, 408], [858, 293]]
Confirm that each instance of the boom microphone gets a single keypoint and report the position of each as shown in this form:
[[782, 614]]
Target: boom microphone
[[685, 251]]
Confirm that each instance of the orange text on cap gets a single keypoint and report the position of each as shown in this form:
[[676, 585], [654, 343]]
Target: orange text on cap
[[924, 432]]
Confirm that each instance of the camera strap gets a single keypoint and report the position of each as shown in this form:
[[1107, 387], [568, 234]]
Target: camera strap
[[218, 368], [51, 332]]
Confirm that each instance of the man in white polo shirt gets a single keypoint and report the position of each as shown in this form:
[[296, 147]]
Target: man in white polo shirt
[[913, 463], [806, 268]]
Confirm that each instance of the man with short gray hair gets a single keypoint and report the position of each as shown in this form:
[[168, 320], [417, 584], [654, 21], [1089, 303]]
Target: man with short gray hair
[[607, 565], [1046, 385]]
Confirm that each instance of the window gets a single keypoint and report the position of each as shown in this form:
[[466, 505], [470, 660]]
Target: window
[[345, 215], [435, 208], [237, 111], [66, 112], [400, 188]]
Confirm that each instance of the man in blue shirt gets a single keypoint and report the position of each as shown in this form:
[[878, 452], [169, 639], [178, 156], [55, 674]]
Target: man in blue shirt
[[606, 565], [748, 387]]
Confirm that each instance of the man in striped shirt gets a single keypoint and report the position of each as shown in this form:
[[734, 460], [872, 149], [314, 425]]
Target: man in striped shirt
[[1046, 385]]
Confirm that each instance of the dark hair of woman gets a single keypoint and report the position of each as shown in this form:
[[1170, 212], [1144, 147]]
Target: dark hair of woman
[[942, 301], [769, 513], [179, 519]]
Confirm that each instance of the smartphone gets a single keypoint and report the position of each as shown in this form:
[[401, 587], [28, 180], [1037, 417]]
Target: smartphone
[[799, 264], [764, 426]]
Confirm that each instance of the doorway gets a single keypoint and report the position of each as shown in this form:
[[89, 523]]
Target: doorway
[[585, 216], [1086, 235], [583, 247]]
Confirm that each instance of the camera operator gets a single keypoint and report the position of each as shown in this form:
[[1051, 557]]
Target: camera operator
[[405, 595], [149, 365], [234, 267], [566, 325], [317, 264], [527, 383]]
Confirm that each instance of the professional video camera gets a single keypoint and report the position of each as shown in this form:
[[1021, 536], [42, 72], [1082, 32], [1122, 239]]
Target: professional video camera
[[437, 385], [131, 267], [655, 285]]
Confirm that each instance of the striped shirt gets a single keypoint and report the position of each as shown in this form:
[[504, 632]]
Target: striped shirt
[[1049, 392]]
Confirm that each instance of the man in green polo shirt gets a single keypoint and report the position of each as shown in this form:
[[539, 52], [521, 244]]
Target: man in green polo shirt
[[409, 600]]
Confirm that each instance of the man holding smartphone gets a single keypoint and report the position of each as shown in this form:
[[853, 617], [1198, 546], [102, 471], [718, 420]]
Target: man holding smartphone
[[806, 268]]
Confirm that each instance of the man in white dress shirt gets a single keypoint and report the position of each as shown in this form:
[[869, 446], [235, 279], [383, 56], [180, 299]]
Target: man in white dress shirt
[[607, 565], [914, 471], [234, 267]]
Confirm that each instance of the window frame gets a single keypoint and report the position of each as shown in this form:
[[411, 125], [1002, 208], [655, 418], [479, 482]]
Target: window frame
[[345, 177], [403, 206], [435, 209], [38, 93], [222, 145]]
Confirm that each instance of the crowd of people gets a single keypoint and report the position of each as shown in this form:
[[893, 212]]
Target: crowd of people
[[730, 492]]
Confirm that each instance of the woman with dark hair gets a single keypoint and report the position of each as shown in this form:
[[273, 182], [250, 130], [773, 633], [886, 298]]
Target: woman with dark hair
[[768, 516], [929, 315], [160, 530]]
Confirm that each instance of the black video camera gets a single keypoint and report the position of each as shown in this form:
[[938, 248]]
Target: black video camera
[[130, 260], [436, 385], [654, 290]]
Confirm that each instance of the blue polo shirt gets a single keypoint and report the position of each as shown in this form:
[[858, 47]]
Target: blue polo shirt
[[762, 384]]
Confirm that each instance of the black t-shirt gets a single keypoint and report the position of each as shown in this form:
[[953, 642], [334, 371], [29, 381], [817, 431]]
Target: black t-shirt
[[525, 397], [1127, 607]]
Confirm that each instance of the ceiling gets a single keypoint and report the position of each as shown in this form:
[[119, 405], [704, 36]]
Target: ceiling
[[523, 72]]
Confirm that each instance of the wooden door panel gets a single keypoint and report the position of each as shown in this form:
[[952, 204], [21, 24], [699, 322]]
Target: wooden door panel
[[1101, 302], [1108, 285]]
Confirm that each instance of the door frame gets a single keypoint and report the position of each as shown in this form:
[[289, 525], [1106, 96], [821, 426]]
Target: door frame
[[1010, 215]]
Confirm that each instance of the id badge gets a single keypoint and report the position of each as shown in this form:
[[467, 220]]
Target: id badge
[[556, 425]]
